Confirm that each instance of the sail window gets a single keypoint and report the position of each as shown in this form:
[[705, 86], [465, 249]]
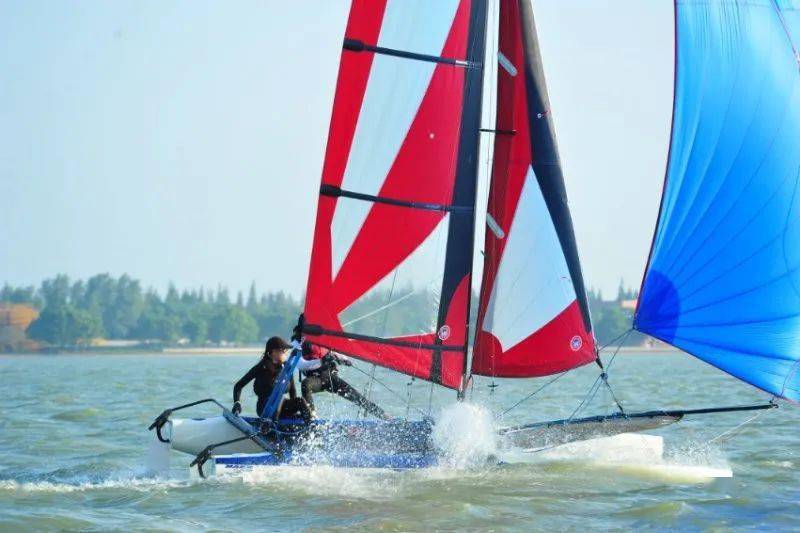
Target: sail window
[[495, 227], [507, 65]]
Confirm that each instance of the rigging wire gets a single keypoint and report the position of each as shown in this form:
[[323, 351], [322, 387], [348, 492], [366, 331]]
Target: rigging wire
[[593, 388], [408, 395], [387, 387], [361, 410], [732, 431], [531, 395], [589, 397], [430, 400]]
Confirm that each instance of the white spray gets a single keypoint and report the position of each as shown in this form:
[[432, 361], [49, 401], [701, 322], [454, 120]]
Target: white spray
[[465, 435]]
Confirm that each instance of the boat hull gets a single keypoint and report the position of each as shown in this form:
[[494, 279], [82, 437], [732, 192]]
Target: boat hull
[[294, 437], [396, 444]]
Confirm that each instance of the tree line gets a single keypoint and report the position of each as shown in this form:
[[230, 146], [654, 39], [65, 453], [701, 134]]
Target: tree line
[[610, 320], [74, 312]]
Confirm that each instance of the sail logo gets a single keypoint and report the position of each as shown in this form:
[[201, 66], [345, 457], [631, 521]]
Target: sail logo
[[444, 332], [575, 343]]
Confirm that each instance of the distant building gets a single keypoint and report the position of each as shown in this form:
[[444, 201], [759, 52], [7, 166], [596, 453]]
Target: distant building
[[14, 320], [628, 304]]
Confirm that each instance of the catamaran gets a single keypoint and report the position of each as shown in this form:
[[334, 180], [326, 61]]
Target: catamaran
[[397, 211]]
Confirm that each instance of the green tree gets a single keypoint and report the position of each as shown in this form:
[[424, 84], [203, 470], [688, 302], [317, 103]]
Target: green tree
[[223, 298], [610, 323], [55, 291], [19, 295], [123, 313], [252, 299], [195, 328], [157, 323], [64, 325], [233, 324]]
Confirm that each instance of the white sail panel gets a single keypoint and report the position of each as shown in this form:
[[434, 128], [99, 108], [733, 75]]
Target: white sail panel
[[412, 290], [392, 98], [533, 283]]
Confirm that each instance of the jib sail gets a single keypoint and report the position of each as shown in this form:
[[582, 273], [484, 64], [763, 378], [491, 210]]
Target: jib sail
[[533, 315], [392, 251]]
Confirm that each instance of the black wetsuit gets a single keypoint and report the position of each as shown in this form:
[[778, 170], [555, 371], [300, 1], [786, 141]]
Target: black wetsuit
[[327, 379], [265, 372]]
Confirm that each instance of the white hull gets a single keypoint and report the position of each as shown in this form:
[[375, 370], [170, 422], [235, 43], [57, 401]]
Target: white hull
[[192, 435]]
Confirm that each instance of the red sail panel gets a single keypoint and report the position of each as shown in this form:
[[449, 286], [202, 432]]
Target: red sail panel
[[389, 184], [533, 317]]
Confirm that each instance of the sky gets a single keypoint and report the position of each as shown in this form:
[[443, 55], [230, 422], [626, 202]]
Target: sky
[[183, 141]]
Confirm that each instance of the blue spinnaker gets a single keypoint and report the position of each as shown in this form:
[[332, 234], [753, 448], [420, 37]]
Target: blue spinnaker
[[723, 279]]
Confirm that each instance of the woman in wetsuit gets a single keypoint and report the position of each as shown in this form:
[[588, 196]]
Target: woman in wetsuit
[[264, 374]]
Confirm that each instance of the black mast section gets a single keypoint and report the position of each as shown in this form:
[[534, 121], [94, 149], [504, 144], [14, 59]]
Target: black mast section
[[461, 233]]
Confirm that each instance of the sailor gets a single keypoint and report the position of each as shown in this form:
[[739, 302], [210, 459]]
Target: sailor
[[264, 374], [326, 378]]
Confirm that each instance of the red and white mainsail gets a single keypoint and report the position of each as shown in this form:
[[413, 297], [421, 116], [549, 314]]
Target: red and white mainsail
[[391, 264], [533, 317]]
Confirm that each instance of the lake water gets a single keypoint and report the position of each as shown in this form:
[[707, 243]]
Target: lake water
[[74, 441]]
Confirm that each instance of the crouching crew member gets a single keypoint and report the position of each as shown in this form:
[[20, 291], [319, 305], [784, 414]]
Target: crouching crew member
[[326, 378], [264, 374]]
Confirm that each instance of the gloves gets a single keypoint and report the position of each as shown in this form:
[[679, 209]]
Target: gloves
[[345, 362], [237, 408], [329, 361]]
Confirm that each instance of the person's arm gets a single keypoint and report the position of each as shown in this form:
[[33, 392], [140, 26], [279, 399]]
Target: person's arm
[[304, 365], [247, 378]]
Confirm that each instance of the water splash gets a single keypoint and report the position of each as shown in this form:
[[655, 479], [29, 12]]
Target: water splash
[[323, 480], [465, 436], [157, 460], [122, 481]]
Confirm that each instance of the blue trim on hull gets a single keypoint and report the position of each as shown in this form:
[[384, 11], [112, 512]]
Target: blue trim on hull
[[395, 462]]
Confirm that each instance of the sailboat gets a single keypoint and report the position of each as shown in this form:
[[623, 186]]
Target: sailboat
[[397, 211]]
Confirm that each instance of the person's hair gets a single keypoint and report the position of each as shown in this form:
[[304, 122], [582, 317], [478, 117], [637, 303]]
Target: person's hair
[[276, 343]]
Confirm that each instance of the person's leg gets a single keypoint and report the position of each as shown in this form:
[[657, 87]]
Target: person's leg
[[309, 386], [262, 402], [346, 391], [296, 408]]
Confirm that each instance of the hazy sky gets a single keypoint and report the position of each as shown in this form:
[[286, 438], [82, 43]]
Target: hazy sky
[[183, 141]]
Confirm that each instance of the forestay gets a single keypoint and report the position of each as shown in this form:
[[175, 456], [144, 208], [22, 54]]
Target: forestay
[[723, 278], [392, 252], [533, 314]]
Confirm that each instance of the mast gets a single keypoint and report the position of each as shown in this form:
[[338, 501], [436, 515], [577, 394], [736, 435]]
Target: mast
[[458, 264]]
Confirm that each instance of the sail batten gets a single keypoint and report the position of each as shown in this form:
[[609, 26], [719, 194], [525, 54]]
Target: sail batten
[[355, 45], [385, 275], [533, 316], [723, 276]]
